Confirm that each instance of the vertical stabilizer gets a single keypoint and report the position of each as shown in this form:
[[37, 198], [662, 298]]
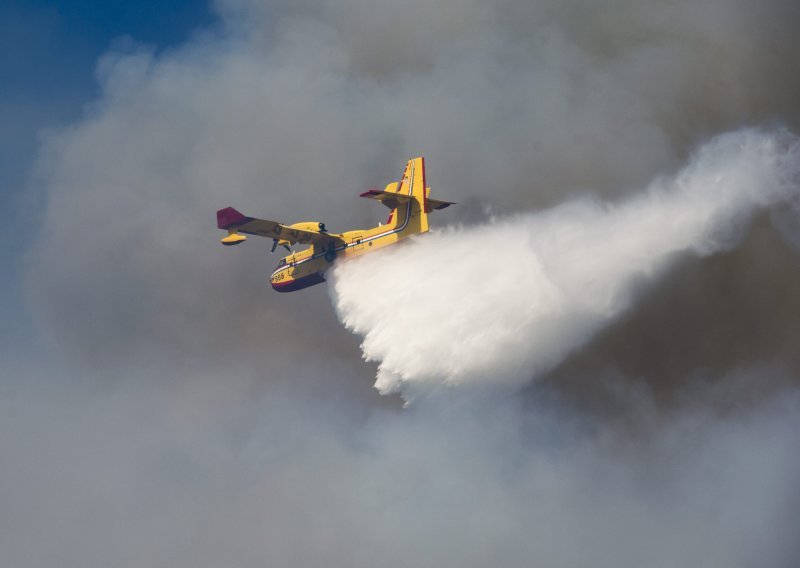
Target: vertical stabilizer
[[410, 215]]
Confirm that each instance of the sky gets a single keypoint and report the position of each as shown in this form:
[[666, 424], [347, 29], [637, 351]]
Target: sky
[[590, 360]]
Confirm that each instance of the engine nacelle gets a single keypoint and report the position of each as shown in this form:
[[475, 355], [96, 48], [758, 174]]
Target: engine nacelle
[[313, 226]]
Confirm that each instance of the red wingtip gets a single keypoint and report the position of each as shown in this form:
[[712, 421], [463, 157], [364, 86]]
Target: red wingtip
[[229, 217]]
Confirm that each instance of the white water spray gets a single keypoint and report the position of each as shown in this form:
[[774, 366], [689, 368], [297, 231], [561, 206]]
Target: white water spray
[[503, 302]]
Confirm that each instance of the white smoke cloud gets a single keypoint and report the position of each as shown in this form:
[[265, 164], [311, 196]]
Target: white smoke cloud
[[148, 476], [499, 303]]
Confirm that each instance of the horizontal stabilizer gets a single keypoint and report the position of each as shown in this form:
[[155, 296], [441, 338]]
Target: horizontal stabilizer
[[436, 204], [390, 199]]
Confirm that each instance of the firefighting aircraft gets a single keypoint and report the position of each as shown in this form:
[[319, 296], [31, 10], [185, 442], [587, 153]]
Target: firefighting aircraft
[[408, 200]]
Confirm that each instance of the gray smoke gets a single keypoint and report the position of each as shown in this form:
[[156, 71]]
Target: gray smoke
[[187, 416]]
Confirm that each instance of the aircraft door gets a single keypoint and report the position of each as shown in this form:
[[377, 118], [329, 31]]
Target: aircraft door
[[292, 266], [357, 243]]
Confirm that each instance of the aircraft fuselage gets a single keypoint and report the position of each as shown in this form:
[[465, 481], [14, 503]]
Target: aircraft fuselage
[[307, 267]]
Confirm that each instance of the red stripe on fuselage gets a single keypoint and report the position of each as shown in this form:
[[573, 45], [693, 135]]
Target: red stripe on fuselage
[[424, 188]]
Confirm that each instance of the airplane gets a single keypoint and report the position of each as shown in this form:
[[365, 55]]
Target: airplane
[[408, 199]]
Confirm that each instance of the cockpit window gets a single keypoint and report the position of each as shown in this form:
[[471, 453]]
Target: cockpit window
[[282, 263]]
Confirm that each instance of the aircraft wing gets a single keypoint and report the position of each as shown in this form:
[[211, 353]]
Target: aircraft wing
[[389, 198], [230, 219]]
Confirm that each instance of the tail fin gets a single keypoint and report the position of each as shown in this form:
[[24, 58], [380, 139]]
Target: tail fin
[[411, 214], [409, 200]]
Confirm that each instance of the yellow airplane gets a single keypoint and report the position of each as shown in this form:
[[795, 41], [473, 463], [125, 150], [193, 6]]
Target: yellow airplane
[[408, 200]]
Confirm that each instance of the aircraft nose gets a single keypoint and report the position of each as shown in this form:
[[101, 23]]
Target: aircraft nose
[[280, 284]]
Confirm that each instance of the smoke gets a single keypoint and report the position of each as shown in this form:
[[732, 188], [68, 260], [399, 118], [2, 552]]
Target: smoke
[[508, 300], [151, 476], [184, 415]]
